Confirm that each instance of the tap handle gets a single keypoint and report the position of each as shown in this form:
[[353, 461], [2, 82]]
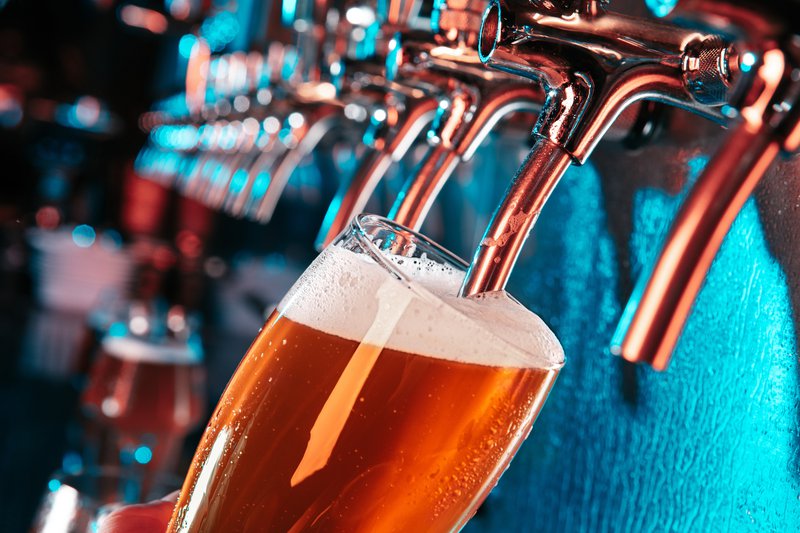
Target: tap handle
[[601, 63]]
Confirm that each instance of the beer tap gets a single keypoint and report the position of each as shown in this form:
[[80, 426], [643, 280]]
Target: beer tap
[[219, 130], [231, 96], [765, 123], [394, 126], [314, 106], [466, 102], [324, 103], [408, 107], [479, 99], [280, 126], [592, 64]]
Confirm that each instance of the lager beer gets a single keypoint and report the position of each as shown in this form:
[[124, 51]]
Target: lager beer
[[142, 393], [372, 400]]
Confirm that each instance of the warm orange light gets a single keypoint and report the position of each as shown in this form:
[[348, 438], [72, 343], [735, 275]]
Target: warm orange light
[[140, 17], [197, 75]]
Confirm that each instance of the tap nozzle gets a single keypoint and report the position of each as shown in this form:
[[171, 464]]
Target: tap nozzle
[[591, 66], [768, 122]]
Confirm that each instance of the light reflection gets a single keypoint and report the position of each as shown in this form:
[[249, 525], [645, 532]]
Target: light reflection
[[186, 44], [146, 19], [272, 125], [360, 16], [661, 8], [238, 181], [219, 30], [65, 502], [747, 62], [261, 184], [118, 329], [83, 236], [143, 455]]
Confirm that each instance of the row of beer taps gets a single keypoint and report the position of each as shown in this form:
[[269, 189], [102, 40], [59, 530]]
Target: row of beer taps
[[367, 74]]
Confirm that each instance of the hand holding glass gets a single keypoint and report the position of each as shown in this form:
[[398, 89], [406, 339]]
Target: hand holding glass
[[374, 398]]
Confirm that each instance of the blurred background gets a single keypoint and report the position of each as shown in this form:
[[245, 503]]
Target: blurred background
[[88, 246]]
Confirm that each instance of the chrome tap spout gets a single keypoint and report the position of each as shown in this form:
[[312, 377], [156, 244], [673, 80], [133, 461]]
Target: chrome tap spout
[[768, 123], [592, 65]]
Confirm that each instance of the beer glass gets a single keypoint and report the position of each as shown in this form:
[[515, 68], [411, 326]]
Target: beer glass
[[374, 398], [143, 397]]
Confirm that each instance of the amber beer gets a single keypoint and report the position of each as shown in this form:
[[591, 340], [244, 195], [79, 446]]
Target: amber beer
[[141, 393], [371, 404]]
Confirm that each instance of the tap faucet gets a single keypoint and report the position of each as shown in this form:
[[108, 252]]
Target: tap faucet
[[467, 101], [394, 126], [478, 100], [364, 86], [766, 122], [312, 123], [404, 111], [592, 64]]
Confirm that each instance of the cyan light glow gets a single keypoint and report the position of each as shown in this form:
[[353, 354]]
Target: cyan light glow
[[118, 329], [238, 181], [661, 8], [72, 462], [711, 444], [288, 12], [260, 184], [143, 455], [219, 30], [83, 236], [748, 60], [186, 44]]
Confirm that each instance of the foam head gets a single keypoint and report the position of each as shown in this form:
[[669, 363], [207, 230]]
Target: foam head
[[346, 294], [129, 348]]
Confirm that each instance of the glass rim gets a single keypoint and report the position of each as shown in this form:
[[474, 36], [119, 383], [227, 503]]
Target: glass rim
[[358, 228]]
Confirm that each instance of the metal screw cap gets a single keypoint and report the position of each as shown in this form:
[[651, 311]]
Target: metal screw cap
[[706, 71]]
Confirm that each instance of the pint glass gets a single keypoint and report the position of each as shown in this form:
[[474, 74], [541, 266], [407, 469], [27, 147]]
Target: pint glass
[[374, 398]]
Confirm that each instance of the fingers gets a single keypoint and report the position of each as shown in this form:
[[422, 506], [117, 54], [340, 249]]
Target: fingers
[[150, 517]]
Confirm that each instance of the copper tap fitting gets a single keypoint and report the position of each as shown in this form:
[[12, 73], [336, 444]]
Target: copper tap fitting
[[478, 100], [406, 112], [592, 64], [766, 122]]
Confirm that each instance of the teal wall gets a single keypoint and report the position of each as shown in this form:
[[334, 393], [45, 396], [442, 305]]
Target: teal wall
[[712, 444]]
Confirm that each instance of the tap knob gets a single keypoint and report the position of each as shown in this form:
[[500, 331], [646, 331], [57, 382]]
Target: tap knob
[[706, 70]]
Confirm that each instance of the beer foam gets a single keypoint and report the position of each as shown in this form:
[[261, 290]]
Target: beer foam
[[143, 351], [344, 293]]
